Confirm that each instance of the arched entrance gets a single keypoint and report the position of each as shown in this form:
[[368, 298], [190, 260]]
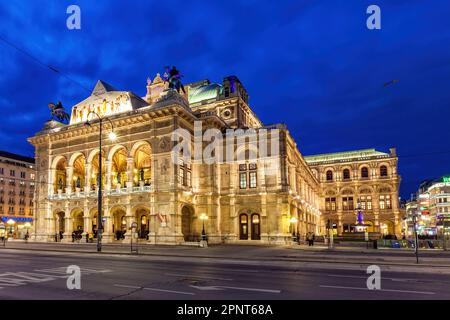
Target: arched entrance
[[143, 223], [249, 226], [243, 227], [256, 227], [387, 228], [119, 224], [60, 226], [77, 220], [142, 173], [119, 168], [187, 223], [79, 173], [59, 182]]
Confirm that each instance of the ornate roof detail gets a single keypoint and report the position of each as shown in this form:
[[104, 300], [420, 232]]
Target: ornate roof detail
[[345, 156], [170, 97], [157, 79], [102, 87], [205, 92]]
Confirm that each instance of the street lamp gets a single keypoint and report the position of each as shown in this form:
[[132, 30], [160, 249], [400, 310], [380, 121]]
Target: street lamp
[[203, 217], [112, 137], [11, 224], [416, 237]]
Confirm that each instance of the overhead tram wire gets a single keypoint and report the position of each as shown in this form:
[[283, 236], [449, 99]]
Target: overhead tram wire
[[43, 64]]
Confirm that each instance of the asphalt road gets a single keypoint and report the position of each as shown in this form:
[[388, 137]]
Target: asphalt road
[[42, 275]]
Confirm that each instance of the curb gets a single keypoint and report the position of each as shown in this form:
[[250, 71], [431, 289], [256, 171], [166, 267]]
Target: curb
[[381, 263]]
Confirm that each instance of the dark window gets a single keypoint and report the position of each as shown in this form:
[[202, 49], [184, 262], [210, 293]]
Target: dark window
[[383, 171], [329, 175], [346, 174], [364, 172]]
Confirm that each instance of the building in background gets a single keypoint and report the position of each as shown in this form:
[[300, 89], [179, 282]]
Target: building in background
[[431, 205], [362, 180], [17, 185]]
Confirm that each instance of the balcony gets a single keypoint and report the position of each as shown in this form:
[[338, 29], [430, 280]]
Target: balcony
[[94, 194]]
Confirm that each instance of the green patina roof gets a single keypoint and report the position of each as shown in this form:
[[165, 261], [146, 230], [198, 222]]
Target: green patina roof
[[201, 93], [345, 156]]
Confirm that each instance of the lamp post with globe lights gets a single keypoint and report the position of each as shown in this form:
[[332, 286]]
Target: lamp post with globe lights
[[112, 137]]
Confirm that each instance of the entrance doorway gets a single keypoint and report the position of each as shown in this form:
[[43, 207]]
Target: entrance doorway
[[254, 231], [187, 221], [243, 227]]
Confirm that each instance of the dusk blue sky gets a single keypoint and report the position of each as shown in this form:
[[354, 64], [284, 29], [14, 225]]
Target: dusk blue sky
[[310, 64]]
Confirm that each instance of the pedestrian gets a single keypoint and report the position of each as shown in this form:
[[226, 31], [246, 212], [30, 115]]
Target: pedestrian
[[309, 238], [313, 238], [87, 237], [91, 237]]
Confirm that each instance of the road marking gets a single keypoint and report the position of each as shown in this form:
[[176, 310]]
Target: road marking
[[387, 290], [235, 288], [170, 291], [127, 286], [196, 277], [154, 289], [206, 288], [383, 278]]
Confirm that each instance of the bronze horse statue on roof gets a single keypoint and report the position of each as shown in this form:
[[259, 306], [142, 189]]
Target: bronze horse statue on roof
[[57, 111]]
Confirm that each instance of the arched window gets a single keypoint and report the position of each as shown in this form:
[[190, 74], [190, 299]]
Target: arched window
[[329, 175], [364, 172], [383, 171], [346, 174]]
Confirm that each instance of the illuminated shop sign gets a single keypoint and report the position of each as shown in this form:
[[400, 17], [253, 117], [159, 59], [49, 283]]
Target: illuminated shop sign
[[446, 179], [19, 219]]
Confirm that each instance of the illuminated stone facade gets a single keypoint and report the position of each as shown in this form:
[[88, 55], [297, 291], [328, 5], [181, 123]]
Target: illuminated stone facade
[[367, 178], [248, 200]]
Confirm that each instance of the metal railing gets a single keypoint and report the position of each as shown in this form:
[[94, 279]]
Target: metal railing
[[94, 194], [409, 244]]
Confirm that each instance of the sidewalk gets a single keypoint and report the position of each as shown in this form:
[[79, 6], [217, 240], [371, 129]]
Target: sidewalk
[[288, 254]]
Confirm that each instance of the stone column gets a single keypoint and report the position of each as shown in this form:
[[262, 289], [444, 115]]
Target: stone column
[[130, 168], [108, 170], [130, 219], [108, 235], [86, 220], [87, 178], [69, 175]]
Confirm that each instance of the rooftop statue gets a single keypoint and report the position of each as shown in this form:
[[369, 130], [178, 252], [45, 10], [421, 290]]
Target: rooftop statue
[[57, 111], [173, 77]]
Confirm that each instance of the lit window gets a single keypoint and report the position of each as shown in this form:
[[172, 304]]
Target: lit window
[[253, 179], [243, 180]]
